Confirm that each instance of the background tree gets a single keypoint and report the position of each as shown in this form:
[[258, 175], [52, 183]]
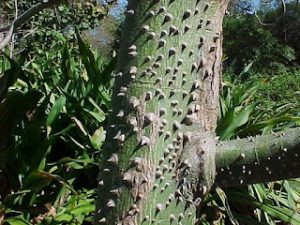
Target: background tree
[[286, 26]]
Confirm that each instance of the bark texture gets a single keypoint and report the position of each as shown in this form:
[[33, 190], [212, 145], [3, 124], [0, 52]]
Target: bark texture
[[164, 104]]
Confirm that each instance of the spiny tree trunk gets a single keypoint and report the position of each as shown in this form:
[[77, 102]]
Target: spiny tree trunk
[[161, 154], [160, 150]]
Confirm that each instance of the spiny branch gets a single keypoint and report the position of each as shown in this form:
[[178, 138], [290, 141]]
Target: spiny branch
[[261, 159]]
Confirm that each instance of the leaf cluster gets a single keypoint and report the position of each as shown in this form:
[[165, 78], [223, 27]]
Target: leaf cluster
[[53, 107]]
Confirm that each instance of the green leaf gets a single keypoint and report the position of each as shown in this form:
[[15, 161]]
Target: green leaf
[[83, 209], [37, 180], [18, 220], [97, 138], [247, 220], [10, 76], [13, 109], [221, 194], [64, 217], [282, 213], [67, 65], [79, 125], [234, 119], [55, 110], [99, 116], [246, 69]]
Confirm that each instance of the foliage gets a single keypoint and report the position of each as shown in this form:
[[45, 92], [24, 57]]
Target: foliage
[[49, 160], [289, 82], [286, 27], [256, 106], [258, 47], [84, 13], [43, 29], [247, 108], [60, 95]]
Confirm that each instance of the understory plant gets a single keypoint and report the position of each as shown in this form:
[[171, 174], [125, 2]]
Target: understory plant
[[52, 109], [245, 111]]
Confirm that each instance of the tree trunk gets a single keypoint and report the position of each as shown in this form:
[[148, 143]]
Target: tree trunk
[[159, 156]]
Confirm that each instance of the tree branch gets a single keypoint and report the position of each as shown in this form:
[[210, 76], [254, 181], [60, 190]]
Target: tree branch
[[256, 160], [29, 13], [7, 38]]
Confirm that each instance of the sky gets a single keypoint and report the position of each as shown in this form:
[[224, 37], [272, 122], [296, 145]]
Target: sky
[[254, 4], [118, 9]]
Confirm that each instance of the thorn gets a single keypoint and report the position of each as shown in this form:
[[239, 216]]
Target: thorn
[[187, 136], [183, 46], [145, 28], [186, 28], [194, 96], [150, 14], [158, 174], [134, 102], [172, 51], [132, 48], [115, 192], [102, 220], [144, 141], [160, 57], [148, 96], [179, 62], [162, 9], [163, 33], [133, 70], [127, 177], [113, 159], [168, 17], [159, 207], [130, 12], [174, 103], [132, 54], [146, 218], [147, 59], [149, 118], [162, 111], [187, 14], [111, 204], [161, 43], [172, 218], [101, 183], [206, 7], [151, 35], [120, 114], [176, 125], [173, 29]]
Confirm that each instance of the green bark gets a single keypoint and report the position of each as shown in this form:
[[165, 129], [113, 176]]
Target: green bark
[[261, 159], [165, 101], [160, 155]]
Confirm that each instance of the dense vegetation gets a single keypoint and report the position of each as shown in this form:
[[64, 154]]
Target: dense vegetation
[[55, 95]]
